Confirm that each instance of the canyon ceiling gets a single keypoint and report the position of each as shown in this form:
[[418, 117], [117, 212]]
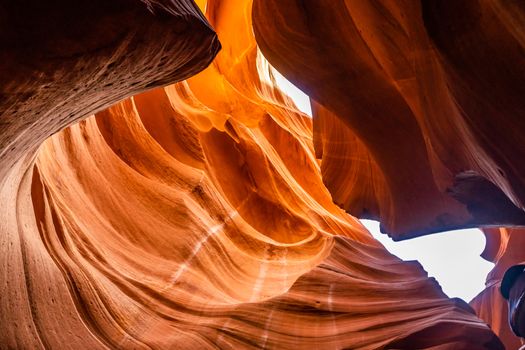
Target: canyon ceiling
[[158, 190]]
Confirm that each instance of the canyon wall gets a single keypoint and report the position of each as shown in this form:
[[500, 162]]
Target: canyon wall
[[210, 213]]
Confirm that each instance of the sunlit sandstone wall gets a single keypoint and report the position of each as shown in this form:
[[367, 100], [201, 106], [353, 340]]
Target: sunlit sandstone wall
[[194, 216]]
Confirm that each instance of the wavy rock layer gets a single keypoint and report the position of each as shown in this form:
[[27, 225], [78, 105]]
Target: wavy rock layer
[[190, 216], [422, 105]]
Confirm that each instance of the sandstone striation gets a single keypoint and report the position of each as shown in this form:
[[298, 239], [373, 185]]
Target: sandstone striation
[[206, 213]]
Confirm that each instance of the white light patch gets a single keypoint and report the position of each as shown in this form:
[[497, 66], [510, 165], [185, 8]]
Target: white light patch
[[301, 100], [452, 258]]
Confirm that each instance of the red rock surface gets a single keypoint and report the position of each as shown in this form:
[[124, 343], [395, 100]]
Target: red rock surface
[[196, 215]]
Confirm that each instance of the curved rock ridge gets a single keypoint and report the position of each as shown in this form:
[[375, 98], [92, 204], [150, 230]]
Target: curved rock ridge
[[422, 105], [60, 62], [191, 216]]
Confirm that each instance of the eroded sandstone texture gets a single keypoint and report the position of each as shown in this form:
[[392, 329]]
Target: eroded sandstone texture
[[195, 215]]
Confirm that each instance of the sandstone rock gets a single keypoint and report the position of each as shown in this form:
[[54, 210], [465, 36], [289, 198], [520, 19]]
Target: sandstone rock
[[196, 215]]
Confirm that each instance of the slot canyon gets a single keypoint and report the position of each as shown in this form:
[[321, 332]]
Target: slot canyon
[[158, 190]]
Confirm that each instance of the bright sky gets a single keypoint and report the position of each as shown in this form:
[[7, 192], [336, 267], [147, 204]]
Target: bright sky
[[452, 258], [301, 100]]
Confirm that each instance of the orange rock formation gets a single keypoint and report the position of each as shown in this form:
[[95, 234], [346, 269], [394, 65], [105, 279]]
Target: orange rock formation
[[196, 215]]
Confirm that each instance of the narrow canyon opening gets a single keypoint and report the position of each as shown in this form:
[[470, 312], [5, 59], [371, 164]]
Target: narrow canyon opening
[[453, 258]]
